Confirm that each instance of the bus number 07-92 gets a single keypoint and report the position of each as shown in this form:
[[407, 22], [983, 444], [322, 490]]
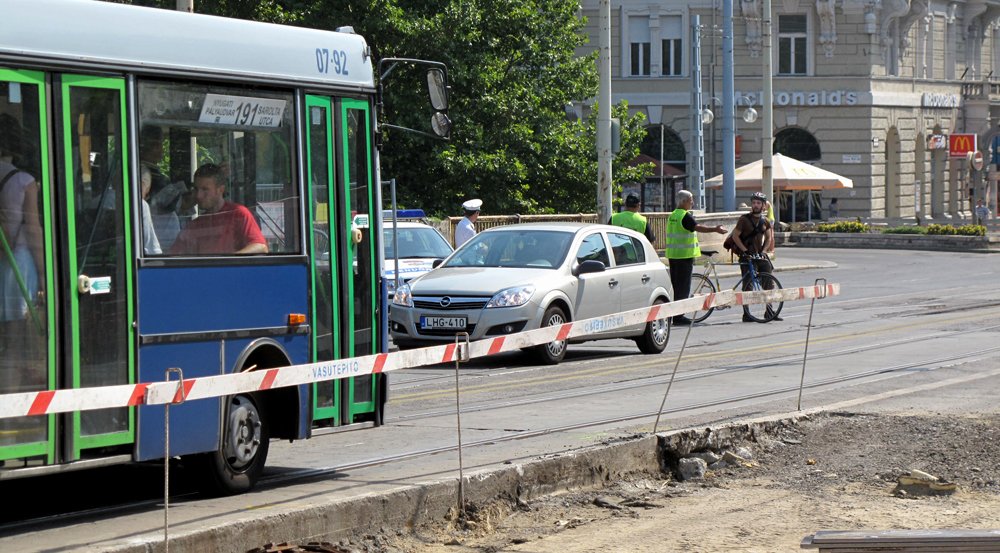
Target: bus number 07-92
[[331, 59]]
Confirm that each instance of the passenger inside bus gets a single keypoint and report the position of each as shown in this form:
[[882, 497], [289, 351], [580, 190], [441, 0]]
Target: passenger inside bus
[[222, 227], [22, 261], [150, 244], [165, 198]]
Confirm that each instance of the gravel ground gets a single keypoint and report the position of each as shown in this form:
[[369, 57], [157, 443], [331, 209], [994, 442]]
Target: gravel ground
[[836, 471]]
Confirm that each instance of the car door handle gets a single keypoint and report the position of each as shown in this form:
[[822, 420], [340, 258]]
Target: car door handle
[[645, 279], [612, 283]]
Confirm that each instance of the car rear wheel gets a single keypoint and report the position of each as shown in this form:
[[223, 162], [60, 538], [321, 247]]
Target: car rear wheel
[[553, 352], [654, 339]]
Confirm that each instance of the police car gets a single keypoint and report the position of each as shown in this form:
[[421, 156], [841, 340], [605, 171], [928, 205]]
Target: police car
[[419, 245]]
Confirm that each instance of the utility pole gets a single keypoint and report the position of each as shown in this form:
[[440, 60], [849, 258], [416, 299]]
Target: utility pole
[[697, 172], [728, 111], [767, 121], [604, 118], [185, 6]]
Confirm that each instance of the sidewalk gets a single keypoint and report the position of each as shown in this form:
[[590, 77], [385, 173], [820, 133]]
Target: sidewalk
[[785, 259]]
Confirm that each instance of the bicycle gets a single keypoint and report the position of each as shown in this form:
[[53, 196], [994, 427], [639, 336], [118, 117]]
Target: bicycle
[[752, 281]]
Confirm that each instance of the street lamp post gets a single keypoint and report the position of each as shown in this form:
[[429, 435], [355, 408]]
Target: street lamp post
[[749, 116]]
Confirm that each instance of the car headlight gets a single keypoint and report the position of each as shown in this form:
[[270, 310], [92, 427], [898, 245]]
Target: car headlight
[[512, 297], [402, 296]]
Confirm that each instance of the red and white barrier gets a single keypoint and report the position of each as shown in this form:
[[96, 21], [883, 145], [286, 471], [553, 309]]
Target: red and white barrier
[[158, 393]]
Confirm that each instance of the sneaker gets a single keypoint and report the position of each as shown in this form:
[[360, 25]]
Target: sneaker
[[681, 321]]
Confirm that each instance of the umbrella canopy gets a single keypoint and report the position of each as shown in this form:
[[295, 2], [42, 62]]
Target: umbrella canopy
[[789, 174]]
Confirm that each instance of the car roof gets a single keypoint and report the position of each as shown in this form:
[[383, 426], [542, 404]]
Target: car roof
[[559, 226], [404, 224]]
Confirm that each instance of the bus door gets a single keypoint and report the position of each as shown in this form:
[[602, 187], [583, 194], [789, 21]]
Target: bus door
[[27, 306], [97, 250], [345, 275], [325, 259], [359, 225]]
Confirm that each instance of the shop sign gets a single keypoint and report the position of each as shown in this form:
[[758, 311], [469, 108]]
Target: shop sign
[[937, 142], [939, 100], [959, 145], [851, 158], [804, 97]]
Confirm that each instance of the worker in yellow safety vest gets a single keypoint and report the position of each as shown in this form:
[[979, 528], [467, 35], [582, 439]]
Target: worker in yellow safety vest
[[630, 218], [682, 247]]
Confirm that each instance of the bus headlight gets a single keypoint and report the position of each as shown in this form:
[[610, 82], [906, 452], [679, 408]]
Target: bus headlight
[[512, 297], [402, 296]]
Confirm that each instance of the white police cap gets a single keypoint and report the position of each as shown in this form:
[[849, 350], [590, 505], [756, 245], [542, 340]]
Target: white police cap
[[472, 205]]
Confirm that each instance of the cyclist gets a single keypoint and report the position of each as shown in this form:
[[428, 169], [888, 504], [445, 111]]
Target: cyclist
[[752, 236], [682, 247]]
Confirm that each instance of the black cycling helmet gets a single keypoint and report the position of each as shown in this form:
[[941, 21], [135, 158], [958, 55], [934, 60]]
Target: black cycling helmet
[[758, 196]]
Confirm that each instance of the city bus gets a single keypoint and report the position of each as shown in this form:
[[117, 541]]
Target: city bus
[[184, 191]]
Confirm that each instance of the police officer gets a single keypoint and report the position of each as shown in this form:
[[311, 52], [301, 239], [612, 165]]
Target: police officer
[[630, 218], [682, 247], [466, 228]]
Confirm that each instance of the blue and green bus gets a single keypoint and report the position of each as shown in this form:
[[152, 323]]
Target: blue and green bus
[[111, 118]]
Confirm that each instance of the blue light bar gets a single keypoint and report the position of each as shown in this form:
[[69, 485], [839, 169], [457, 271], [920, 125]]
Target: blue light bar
[[404, 214]]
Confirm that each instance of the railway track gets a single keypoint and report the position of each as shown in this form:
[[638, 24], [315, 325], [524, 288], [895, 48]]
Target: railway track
[[153, 502], [65, 513]]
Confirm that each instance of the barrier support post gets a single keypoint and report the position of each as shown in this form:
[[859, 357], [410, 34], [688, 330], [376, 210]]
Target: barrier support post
[[166, 451], [462, 353], [676, 365], [805, 353]]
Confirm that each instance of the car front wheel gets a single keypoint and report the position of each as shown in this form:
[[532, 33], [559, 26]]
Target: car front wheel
[[553, 352]]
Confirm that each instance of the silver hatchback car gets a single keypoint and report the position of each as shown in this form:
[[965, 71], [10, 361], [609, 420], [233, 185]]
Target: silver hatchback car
[[522, 277]]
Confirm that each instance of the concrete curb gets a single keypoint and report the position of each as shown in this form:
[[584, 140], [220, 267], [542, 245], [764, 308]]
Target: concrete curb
[[973, 244], [411, 506]]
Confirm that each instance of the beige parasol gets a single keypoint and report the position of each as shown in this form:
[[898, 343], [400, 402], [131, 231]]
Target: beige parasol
[[789, 174]]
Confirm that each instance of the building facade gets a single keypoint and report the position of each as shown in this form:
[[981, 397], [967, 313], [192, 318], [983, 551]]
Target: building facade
[[893, 94]]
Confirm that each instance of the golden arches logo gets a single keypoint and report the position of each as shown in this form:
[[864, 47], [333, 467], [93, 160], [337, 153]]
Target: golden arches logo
[[959, 145]]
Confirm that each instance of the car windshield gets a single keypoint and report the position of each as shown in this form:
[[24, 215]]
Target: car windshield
[[417, 242], [543, 249]]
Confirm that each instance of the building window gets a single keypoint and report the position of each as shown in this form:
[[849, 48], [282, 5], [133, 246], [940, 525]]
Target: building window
[[639, 47], [792, 44], [672, 53]]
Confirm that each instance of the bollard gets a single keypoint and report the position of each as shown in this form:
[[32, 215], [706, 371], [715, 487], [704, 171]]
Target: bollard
[[461, 354], [166, 453], [805, 354]]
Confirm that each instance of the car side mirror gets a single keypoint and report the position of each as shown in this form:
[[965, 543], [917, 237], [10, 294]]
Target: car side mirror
[[436, 263], [589, 266]]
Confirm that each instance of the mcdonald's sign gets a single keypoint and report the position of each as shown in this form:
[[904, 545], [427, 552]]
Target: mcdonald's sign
[[960, 145]]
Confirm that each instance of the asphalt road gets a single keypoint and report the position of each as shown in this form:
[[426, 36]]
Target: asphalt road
[[904, 319]]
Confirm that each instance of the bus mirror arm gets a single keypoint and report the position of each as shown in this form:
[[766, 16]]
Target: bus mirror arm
[[437, 89]]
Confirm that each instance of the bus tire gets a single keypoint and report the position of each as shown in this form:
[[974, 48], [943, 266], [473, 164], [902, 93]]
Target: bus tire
[[238, 463]]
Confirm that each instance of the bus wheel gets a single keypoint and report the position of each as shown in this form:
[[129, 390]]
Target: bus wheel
[[238, 464]]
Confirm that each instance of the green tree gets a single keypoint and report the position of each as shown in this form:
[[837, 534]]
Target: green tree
[[513, 67]]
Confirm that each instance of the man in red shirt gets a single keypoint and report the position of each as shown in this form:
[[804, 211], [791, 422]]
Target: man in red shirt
[[222, 227]]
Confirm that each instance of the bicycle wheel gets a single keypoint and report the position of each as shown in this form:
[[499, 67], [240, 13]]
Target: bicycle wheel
[[762, 312], [700, 285]]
